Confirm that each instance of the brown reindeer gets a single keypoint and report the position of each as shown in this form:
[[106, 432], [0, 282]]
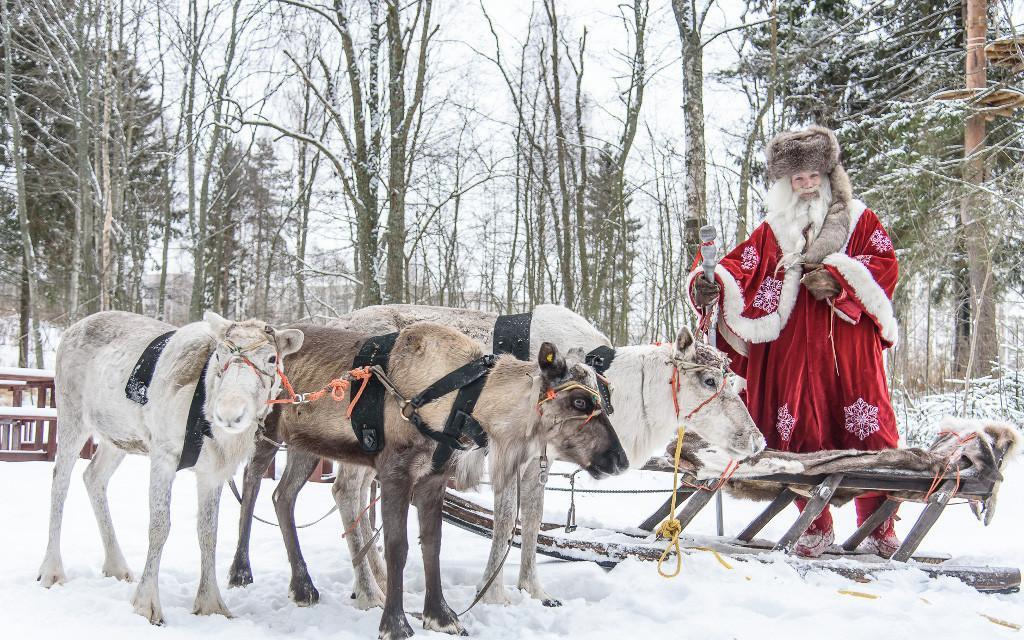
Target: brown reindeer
[[523, 408]]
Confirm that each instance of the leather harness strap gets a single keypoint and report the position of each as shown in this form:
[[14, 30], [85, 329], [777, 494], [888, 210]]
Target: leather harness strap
[[137, 390], [460, 429], [368, 414]]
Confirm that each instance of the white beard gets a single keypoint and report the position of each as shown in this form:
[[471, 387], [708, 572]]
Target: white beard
[[789, 214]]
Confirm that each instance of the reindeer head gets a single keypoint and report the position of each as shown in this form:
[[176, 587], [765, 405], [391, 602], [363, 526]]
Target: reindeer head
[[243, 370], [715, 411], [571, 418]]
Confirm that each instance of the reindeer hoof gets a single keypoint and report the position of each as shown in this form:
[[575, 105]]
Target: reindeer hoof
[[122, 573], [444, 620], [240, 575], [51, 573], [51, 578], [551, 602], [394, 628], [149, 609], [303, 593]]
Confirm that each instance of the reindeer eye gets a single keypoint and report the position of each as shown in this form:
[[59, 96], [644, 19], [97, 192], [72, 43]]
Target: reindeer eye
[[710, 383], [272, 359], [581, 404]]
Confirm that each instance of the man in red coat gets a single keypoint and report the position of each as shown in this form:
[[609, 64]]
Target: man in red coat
[[804, 311]]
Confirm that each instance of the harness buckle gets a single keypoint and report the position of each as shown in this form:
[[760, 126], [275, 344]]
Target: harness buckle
[[300, 398], [543, 470], [406, 410]]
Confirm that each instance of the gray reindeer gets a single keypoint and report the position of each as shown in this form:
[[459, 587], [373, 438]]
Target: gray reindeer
[[237, 362]]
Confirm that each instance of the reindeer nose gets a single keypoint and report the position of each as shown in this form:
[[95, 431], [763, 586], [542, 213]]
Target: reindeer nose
[[232, 413]]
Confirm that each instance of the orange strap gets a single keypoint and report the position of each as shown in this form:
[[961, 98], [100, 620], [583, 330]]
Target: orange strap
[[937, 480], [364, 374], [360, 516]]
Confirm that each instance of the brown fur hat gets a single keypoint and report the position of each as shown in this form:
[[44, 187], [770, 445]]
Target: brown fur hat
[[813, 149]]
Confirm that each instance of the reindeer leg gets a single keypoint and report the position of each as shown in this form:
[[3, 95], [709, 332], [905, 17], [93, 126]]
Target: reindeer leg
[[296, 473], [396, 489], [531, 501], [428, 498], [372, 553], [208, 598], [240, 573], [504, 525], [146, 600], [348, 494], [72, 437], [104, 462]]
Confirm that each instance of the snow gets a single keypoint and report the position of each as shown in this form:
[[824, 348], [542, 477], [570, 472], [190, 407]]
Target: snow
[[753, 600], [29, 412]]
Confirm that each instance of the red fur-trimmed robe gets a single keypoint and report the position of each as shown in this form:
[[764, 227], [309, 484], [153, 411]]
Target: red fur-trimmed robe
[[814, 372]]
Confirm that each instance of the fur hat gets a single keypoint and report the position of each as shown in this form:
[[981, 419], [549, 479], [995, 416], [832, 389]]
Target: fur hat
[[815, 149]]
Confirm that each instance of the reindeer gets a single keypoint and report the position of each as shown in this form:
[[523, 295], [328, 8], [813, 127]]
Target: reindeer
[[236, 362], [523, 408], [645, 419]]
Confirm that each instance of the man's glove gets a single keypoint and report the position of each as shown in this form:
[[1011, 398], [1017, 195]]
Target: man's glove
[[821, 284], [705, 292]]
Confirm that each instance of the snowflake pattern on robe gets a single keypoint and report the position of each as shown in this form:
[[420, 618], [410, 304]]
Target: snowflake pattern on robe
[[784, 423], [880, 241], [861, 418], [749, 259], [864, 260], [767, 298]]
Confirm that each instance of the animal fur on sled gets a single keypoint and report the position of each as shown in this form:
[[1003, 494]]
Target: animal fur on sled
[[977, 458]]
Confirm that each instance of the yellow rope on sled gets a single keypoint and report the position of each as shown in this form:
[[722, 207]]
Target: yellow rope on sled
[[671, 528]]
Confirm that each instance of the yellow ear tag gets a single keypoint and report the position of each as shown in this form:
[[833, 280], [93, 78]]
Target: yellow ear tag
[[551, 358]]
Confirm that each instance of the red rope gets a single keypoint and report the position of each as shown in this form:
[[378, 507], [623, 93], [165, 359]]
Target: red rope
[[360, 516], [939, 476]]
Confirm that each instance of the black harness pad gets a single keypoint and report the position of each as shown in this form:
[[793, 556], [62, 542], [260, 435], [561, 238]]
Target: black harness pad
[[600, 359], [197, 426], [137, 390], [512, 335], [368, 414]]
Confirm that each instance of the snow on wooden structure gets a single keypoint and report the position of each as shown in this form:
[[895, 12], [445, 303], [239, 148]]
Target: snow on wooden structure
[[1006, 52]]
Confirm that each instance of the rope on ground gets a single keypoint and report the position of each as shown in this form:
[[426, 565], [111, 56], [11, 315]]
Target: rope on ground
[[671, 527], [238, 496]]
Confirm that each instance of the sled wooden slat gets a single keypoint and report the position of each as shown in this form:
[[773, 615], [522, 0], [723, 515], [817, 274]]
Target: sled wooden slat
[[663, 511], [811, 511], [774, 508], [698, 500], [936, 504], [878, 517]]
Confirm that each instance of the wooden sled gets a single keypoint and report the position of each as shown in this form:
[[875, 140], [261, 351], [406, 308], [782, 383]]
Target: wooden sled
[[907, 485]]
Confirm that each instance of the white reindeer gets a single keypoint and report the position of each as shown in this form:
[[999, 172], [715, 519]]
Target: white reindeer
[[94, 361]]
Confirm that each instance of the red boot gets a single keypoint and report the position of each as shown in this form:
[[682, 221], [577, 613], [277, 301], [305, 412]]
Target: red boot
[[818, 537], [883, 541]]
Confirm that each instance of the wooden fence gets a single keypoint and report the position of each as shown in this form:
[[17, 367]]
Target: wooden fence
[[28, 426]]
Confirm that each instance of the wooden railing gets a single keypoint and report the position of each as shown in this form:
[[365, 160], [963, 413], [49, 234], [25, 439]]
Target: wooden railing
[[28, 432]]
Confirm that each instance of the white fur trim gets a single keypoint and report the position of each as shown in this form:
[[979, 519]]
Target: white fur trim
[[867, 291], [737, 329]]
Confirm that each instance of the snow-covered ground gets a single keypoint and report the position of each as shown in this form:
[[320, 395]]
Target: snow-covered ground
[[753, 600]]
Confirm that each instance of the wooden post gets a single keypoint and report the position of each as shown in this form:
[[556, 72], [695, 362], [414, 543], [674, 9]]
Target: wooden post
[[983, 352]]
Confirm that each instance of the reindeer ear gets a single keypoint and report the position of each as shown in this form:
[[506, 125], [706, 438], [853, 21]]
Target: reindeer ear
[[218, 323], [552, 364], [288, 340], [684, 339]]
